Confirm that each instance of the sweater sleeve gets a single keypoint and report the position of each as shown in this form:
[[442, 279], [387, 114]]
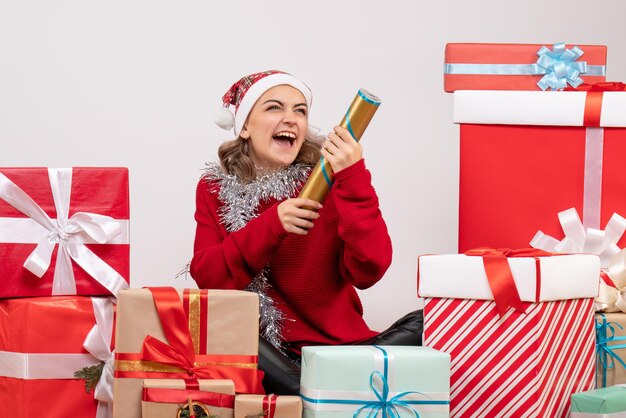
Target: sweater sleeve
[[225, 260], [367, 247]]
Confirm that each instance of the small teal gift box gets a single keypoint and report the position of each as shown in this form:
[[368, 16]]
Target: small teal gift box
[[609, 402], [375, 381]]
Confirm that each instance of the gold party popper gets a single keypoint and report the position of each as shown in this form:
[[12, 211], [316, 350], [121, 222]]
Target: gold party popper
[[358, 116]]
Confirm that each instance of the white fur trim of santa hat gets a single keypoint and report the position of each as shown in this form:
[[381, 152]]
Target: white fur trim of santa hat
[[261, 86]]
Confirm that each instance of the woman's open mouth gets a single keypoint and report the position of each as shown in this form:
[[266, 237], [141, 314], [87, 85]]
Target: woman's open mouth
[[285, 138]]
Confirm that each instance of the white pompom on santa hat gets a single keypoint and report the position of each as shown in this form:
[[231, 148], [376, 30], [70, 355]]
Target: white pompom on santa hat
[[245, 92]]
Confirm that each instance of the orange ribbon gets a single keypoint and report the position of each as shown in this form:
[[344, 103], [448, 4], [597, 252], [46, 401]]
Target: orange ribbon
[[499, 274], [593, 101]]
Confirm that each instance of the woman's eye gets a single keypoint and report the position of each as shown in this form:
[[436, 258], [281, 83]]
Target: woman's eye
[[301, 110], [273, 107]]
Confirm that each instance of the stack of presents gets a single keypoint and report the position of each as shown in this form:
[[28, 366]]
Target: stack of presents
[[528, 320]]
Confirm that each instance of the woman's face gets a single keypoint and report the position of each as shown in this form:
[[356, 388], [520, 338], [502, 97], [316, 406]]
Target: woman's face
[[276, 127]]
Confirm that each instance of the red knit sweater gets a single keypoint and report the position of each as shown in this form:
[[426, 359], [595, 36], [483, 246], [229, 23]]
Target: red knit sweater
[[312, 277]]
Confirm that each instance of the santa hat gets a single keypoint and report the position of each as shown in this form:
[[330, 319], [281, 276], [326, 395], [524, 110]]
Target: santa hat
[[245, 92]]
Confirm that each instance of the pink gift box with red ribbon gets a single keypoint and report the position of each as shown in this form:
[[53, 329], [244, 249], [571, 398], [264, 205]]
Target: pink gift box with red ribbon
[[526, 157], [63, 231]]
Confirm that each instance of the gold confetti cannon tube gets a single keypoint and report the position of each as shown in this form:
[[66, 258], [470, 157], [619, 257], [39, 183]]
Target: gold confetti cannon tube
[[358, 116]]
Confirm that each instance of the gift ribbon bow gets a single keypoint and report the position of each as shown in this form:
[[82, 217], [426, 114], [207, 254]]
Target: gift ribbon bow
[[180, 354], [500, 277], [387, 406], [579, 239], [559, 67], [602, 243], [98, 344], [605, 334], [66, 232]]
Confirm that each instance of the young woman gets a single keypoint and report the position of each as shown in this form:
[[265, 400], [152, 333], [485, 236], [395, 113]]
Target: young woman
[[253, 233]]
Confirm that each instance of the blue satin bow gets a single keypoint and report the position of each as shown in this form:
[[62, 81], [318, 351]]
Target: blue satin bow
[[605, 334], [384, 405], [558, 67]]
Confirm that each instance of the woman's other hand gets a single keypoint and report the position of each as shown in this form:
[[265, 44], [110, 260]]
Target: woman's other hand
[[296, 216], [341, 150]]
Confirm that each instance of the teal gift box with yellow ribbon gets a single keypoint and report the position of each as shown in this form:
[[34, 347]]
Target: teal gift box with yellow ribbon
[[375, 381], [609, 402]]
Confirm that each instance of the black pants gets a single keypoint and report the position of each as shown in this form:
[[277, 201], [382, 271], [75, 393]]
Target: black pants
[[282, 373]]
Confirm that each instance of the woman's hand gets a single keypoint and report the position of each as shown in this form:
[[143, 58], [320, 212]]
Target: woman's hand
[[341, 150], [295, 216]]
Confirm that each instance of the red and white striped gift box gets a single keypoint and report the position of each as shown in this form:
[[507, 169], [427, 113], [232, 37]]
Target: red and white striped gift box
[[521, 364]]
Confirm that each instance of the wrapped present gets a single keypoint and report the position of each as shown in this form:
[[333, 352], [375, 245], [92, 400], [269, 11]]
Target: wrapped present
[[535, 155], [394, 381], [506, 322], [611, 349], [268, 406], [43, 343], [609, 402], [166, 398], [184, 334], [476, 66], [612, 292], [63, 231]]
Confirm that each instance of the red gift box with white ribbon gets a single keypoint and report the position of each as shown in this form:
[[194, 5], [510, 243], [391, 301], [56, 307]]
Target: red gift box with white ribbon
[[44, 341], [63, 231]]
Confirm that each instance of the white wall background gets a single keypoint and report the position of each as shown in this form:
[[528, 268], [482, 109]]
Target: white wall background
[[136, 83]]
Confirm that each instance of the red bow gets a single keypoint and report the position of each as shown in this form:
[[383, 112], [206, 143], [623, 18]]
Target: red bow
[[499, 274], [593, 102], [180, 353], [605, 86]]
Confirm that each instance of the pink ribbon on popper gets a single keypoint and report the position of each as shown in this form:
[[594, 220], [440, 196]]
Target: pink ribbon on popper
[[69, 233]]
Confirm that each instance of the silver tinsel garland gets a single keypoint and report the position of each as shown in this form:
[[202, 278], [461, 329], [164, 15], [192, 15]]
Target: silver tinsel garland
[[240, 205]]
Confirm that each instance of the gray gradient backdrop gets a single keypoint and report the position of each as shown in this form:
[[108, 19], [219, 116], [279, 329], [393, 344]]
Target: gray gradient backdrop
[[136, 83]]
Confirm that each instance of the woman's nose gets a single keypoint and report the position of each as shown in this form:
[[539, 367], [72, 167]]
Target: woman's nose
[[290, 117]]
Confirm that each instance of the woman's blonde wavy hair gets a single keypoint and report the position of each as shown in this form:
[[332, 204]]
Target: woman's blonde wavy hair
[[235, 156]]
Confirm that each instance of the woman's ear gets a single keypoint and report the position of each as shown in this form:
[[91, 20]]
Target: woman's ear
[[245, 134]]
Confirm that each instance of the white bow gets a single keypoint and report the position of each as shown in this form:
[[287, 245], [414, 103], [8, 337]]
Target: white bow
[[98, 343], [69, 233], [580, 240], [593, 241]]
